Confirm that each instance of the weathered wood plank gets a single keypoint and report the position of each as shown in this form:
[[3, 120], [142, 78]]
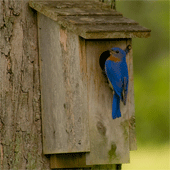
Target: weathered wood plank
[[76, 160], [91, 20], [86, 20], [109, 139], [77, 4], [80, 8], [104, 31], [85, 12], [64, 101], [111, 35], [132, 122], [114, 28], [73, 160], [72, 4]]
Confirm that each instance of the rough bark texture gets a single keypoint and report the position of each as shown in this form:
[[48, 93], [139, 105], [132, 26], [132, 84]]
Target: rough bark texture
[[20, 113]]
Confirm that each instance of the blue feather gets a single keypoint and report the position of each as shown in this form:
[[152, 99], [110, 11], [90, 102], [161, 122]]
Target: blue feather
[[117, 73], [116, 106]]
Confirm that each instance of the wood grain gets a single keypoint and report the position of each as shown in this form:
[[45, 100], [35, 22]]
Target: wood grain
[[90, 20], [64, 95], [109, 139]]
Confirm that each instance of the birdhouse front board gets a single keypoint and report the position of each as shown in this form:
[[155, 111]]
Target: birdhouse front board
[[76, 98]]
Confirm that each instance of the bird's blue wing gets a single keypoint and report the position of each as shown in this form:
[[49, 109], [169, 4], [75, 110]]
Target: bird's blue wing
[[113, 72]]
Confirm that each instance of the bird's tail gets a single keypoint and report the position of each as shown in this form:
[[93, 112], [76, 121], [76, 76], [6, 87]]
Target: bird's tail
[[116, 106]]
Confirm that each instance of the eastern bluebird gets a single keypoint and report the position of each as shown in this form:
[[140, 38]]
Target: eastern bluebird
[[114, 66]]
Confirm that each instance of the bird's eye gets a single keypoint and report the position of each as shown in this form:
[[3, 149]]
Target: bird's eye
[[117, 51]]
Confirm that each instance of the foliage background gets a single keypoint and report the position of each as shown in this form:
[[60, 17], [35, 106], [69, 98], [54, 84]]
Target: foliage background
[[151, 80]]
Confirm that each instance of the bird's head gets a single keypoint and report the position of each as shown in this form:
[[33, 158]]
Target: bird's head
[[118, 53]]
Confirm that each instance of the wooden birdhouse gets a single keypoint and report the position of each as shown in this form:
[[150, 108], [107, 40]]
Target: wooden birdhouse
[[78, 129]]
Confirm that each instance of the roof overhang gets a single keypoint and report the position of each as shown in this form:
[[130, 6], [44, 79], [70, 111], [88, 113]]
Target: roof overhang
[[90, 20]]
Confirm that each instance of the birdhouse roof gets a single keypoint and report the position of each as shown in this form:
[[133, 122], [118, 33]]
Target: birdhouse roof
[[90, 20]]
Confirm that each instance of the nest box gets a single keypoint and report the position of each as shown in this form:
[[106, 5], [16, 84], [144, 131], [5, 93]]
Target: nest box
[[78, 129]]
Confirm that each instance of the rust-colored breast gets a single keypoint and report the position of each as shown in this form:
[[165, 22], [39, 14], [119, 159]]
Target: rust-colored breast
[[113, 58]]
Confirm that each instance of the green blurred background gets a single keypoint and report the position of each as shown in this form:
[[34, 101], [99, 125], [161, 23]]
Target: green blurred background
[[151, 83]]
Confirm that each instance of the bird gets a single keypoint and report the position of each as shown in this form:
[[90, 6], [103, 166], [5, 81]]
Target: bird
[[114, 67]]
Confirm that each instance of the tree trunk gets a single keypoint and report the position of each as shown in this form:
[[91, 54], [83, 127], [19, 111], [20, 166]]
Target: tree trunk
[[20, 113]]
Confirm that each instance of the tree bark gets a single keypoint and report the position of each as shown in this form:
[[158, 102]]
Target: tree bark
[[20, 110]]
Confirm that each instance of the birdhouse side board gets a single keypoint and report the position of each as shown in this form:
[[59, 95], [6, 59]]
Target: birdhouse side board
[[64, 101], [132, 119]]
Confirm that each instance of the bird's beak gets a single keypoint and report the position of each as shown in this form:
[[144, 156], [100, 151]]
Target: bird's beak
[[112, 52]]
